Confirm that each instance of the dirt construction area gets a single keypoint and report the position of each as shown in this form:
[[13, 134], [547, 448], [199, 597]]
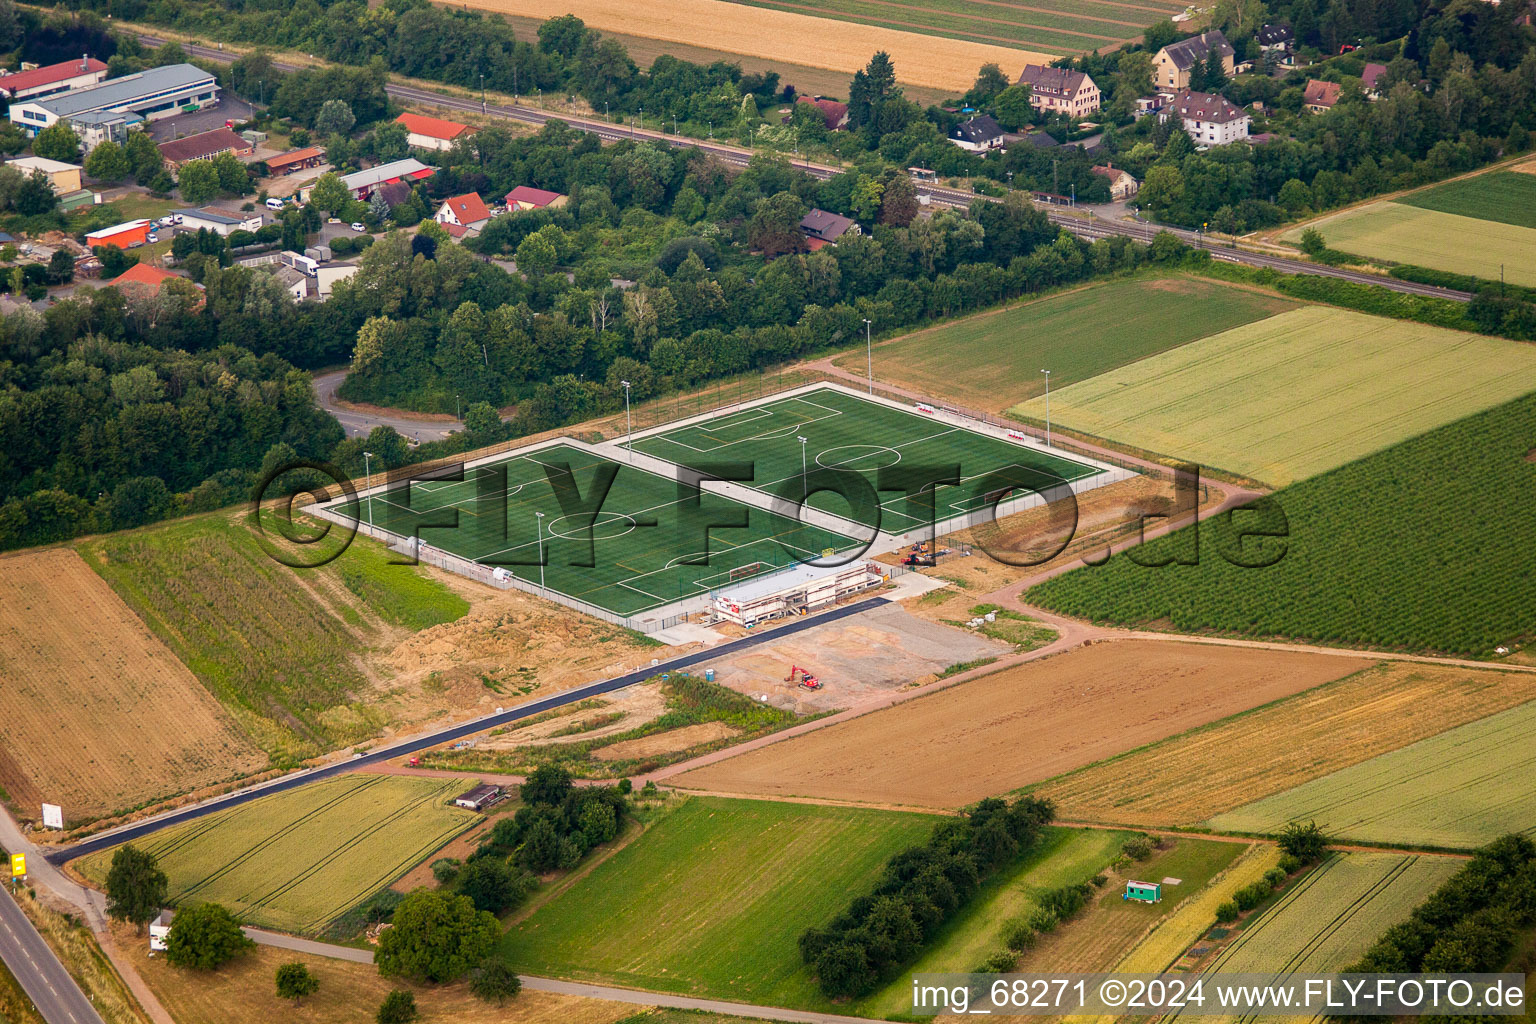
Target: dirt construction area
[[1020, 725], [98, 714], [856, 658]]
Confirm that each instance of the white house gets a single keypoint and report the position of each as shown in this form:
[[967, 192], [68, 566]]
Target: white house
[[296, 282], [978, 135], [219, 221], [463, 215], [433, 133], [1210, 119], [327, 274]]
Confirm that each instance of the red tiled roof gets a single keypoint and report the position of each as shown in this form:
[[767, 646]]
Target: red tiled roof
[[433, 127], [203, 145], [62, 72], [294, 156], [531, 196], [1322, 94], [833, 113], [469, 208], [1372, 74], [144, 275]]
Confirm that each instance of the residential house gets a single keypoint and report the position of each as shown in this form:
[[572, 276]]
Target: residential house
[[219, 220], [1276, 39], [1173, 63], [1040, 140], [295, 160], [1210, 119], [203, 146], [822, 228], [1060, 90], [1320, 97], [1371, 78], [295, 282], [978, 135], [141, 279], [833, 114], [65, 178], [525, 197], [432, 133], [1121, 184], [463, 215], [35, 83]]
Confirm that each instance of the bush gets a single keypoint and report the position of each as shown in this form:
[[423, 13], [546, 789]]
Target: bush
[[1137, 847], [1042, 920], [1250, 896], [1227, 912], [1019, 936], [445, 869], [1276, 877], [205, 936], [1000, 962], [1290, 865], [399, 1007]]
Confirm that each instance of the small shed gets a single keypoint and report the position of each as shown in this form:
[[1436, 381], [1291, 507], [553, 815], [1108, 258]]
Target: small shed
[[479, 798], [159, 928], [1143, 892]]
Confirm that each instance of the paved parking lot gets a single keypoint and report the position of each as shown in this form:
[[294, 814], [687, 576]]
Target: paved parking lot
[[229, 108]]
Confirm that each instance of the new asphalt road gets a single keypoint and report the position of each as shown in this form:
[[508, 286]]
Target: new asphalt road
[[40, 973]]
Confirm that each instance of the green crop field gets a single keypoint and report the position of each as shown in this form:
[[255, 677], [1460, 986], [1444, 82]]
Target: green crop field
[[274, 645], [1508, 197], [1425, 546], [1462, 788], [712, 899], [853, 434], [648, 546], [1050, 26], [299, 859], [1399, 233], [1297, 394], [1328, 917], [993, 360]]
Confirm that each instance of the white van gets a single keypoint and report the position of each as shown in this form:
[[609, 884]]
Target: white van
[[275, 203]]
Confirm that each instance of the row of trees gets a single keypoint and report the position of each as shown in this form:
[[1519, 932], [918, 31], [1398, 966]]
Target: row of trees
[[922, 887]]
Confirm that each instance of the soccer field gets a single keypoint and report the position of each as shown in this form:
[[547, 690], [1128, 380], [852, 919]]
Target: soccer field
[[842, 431], [648, 546]]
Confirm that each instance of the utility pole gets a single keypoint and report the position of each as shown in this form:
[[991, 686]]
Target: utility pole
[[869, 358], [805, 479], [368, 468], [629, 427], [540, 521], [482, 92], [1047, 407]]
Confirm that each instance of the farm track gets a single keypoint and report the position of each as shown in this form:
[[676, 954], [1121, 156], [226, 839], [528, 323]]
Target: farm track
[[908, 26]]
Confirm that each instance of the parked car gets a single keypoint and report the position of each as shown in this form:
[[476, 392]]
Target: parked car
[[357, 225], [151, 238]]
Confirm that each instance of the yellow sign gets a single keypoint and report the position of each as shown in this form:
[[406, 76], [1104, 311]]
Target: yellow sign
[[18, 865]]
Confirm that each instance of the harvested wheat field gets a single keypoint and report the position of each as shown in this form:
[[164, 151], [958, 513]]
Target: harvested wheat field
[[1021, 725], [1222, 766], [781, 36], [99, 715]]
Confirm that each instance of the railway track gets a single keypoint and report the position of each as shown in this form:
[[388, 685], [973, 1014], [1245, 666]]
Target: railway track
[[939, 195]]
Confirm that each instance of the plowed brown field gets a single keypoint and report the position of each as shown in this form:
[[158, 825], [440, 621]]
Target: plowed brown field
[[98, 714], [779, 35], [1381, 709], [1021, 725]]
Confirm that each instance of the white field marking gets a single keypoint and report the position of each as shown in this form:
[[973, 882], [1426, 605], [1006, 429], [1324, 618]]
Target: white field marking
[[870, 448], [597, 522], [768, 410], [626, 586]]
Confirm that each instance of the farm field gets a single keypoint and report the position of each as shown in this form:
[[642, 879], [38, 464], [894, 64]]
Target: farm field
[[1401, 533], [1508, 197], [1382, 708], [99, 715], [1020, 725], [280, 649], [1297, 394], [297, 860], [1401, 233], [241, 992], [642, 546], [1063, 857], [832, 429], [797, 37], [993, 360], [1162, 947], [1462, 788], [807, 80], [712, 899], [1110, 926], [1065, 26], [1328, 917]]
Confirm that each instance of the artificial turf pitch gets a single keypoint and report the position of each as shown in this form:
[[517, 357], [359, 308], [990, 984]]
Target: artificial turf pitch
[[845, 432], [491, 517]]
